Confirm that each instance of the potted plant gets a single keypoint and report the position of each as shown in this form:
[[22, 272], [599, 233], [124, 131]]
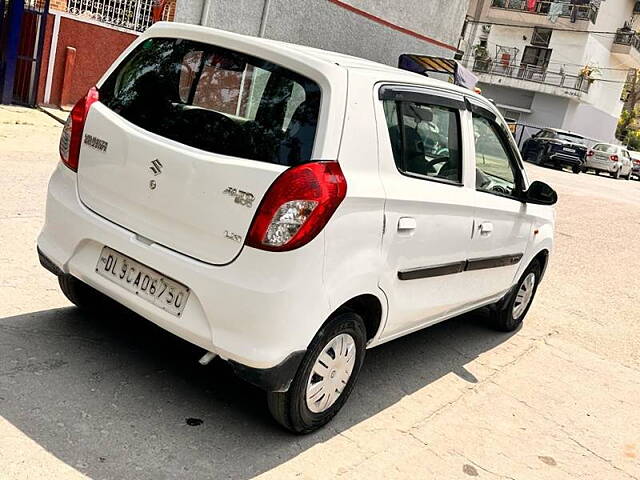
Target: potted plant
[[482, 58]]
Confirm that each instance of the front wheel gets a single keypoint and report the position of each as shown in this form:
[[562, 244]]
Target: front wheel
[[509, 313], [325, 378]]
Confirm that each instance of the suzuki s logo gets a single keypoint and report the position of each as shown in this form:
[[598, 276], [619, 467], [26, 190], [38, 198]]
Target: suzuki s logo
[[156, 167]]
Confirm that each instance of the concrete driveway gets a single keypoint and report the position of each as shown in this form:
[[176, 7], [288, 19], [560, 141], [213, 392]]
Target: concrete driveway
[[109, 397]]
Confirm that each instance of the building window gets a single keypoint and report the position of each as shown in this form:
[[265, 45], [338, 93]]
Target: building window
[[541, 37]]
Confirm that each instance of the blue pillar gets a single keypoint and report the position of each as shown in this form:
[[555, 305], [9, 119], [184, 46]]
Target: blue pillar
[[10, 49]]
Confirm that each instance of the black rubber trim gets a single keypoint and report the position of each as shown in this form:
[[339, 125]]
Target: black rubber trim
[[459, 267], [48, 264], [479, 110], [429, 272], [274, 379], [493, 262], [409, 94]]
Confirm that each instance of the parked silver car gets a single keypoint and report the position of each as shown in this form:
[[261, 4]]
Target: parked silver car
[[613, 159]]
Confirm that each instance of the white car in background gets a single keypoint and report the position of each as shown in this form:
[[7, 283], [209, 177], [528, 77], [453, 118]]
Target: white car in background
[[613, 159], [286, 208], [635, 158]]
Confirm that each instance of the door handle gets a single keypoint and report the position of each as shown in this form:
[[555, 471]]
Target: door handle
[[486, 228], [407, 224]]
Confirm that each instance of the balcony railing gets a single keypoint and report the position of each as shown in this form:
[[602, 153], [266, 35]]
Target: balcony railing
[[129, 14], [532, 73], [626, 37], [542, 7]]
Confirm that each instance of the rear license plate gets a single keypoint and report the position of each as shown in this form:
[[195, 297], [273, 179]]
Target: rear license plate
[[570, 150], [143, 281]]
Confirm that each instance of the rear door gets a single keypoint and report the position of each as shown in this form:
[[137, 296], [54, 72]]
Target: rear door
[[186, 139], [502, 229], [428, 210]]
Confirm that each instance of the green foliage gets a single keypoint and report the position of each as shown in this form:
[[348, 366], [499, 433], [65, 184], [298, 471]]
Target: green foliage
[[633, 140], [626, 125]]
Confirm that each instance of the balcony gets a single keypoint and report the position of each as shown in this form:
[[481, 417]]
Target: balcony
[[626, 46], [542, 7], [530, 77]]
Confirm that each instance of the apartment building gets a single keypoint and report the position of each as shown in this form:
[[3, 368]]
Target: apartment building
[[559, 64]]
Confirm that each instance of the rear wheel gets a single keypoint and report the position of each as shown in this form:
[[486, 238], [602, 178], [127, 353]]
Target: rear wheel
[[616, 174], [84, 296], [576, 169], [530, 156], [509, 313], [325, 378]]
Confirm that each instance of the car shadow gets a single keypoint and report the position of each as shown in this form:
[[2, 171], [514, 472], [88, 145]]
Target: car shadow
[[117, 397]]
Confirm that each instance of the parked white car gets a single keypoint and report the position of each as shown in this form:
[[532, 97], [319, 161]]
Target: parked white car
[[613, 159], [286, 208]]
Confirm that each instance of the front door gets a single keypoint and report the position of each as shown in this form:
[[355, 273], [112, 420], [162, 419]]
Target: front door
[[503, 229], [429, 207]]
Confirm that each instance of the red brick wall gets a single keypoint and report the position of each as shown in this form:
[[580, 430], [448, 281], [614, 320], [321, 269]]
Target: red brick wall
[[96, 47]]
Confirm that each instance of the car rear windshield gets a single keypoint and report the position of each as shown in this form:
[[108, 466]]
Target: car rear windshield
[[216, 100], [603, 147], [572, 138]]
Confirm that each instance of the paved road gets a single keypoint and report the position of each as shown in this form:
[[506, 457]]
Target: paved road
[[108, 398]]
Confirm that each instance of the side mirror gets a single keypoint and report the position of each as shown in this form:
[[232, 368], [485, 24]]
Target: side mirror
[[540, 193]]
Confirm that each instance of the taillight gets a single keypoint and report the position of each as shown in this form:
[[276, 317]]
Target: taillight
[[614, 158], [590, 153], [297, 206], [72, 131], [636, 162]]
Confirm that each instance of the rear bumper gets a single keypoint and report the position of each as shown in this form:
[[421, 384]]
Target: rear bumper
[[260, 312], [607, 166], [561, 159]]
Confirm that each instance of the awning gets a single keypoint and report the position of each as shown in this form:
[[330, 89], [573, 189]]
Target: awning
[[423, 64]]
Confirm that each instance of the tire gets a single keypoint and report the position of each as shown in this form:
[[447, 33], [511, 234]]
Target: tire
[[616, 175], [507, 315], [83, 296], [576, 169], [530, 156], [291, 409], [540, 158], [597, 172]]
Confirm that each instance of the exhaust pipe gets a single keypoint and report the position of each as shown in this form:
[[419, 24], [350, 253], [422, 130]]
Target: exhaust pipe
[[206, 358]]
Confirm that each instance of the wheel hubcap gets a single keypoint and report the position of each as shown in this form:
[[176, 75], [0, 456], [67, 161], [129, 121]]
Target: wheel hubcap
[[331, 373], [524, 295]]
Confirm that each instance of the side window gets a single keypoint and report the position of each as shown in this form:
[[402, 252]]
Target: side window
[[425, 139], [495, 169]]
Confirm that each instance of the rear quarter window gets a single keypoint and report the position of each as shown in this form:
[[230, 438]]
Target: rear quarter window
[[217, 100]]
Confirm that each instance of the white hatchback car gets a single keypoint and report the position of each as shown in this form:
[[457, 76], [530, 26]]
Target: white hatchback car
[[286, 208], [613, 159]]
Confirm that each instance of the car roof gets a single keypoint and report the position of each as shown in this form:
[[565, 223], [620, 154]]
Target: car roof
[[565, 132]]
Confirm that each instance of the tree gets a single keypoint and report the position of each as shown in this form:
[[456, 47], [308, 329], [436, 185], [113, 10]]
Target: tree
[[625, 124]]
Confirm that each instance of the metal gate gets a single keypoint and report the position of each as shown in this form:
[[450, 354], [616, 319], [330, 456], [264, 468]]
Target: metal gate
[[22, 30]]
